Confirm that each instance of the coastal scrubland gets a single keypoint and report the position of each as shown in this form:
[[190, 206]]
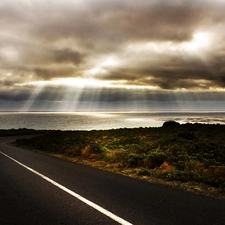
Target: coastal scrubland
[[187, 153]]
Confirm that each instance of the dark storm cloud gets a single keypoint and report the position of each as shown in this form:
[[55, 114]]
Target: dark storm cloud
[[152, 41], [66, 55], [56, 93], [47, 73], [173, 72], [120, 22], [49, 56]]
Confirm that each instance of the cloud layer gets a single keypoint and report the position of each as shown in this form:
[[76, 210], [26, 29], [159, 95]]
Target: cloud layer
[[165, 46]]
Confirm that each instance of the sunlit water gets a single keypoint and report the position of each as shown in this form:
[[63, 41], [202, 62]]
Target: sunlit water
[[100, 120]]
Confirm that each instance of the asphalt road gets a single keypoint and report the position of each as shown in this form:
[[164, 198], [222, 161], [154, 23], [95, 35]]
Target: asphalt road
[[28, 198]]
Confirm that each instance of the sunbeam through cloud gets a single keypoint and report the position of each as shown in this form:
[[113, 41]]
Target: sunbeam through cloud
[[112, 55]]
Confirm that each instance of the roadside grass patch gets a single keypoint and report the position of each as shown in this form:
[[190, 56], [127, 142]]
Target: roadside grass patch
[[182, 153]]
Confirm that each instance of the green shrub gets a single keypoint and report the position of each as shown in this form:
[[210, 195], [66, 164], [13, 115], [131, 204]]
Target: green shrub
[[144, 172], [121, 156], [196, 151], [155, 159], [135, 160]]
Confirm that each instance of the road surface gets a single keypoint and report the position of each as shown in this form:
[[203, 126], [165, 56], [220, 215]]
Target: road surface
[[39, 189]]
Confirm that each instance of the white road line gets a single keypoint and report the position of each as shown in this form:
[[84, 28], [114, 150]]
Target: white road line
[[93, 205]]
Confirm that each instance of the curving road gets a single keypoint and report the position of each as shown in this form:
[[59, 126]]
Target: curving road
[[39, 189]]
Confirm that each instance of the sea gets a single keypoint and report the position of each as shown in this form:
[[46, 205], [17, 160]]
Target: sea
[[103, 120]]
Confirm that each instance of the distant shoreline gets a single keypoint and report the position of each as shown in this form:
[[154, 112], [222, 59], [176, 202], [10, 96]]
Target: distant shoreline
[[102, 120]]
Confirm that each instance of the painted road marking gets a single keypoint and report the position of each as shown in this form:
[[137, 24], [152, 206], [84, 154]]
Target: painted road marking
[[86, 201]]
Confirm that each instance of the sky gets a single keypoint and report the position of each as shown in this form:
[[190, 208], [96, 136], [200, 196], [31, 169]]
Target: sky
[[112, 55]]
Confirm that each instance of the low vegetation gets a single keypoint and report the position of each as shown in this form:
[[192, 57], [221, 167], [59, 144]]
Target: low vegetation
[[182, 153], [21, 131]]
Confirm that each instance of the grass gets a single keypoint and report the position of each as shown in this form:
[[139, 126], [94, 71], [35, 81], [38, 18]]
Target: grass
[[190, 156]]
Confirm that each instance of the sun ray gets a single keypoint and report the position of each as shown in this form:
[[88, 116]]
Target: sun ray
[[32, 98], [70, 99]]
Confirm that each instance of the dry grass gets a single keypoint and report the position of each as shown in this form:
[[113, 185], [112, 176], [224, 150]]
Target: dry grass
[[195, 187]]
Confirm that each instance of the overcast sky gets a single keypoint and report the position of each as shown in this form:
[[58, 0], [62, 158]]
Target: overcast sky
[[74, 55]]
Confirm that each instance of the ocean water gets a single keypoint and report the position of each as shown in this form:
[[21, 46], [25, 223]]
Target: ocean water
[[102, 120]]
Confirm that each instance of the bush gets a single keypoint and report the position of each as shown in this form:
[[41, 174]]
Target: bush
[[195, 151], [135, 160], [171, 123], [144, 172], [155, 159]]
